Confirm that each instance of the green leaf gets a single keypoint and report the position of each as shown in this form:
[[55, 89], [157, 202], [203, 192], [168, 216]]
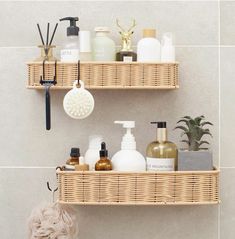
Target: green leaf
[[208, 133], [181, 127], [205, 123], [199, 119], [185, 141], [203, 142], [186, 117]]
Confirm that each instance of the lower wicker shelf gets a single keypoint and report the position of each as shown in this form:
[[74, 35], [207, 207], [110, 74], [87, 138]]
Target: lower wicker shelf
[[145, 188]]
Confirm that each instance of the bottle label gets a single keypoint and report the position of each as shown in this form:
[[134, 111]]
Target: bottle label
[[69, 55], [160, 164], [127, 59]]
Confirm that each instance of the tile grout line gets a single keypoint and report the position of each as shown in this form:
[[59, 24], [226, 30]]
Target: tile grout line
[[219, 75]]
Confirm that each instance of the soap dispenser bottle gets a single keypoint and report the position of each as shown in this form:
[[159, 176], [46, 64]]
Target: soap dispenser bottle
[[162, 155], [104, 163], [70, 49], [128, 158]]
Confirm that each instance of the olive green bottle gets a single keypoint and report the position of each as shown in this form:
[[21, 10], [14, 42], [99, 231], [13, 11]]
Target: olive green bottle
[[162, 155]]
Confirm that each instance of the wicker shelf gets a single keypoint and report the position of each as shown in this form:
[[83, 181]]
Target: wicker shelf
[[108, 75], [145, 188]]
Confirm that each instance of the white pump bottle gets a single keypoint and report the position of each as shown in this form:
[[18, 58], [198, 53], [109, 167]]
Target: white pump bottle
[[128, 158]]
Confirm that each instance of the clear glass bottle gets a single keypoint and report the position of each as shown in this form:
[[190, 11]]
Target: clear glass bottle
[[162, 155], [103, 47]]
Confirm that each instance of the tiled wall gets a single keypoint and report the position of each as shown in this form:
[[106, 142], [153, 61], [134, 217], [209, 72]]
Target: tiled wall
[[205, 36]]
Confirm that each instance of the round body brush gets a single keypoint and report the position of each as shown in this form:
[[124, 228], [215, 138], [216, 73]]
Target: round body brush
[[78, 103]]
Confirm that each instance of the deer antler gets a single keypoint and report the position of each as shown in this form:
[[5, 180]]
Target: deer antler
[[117, 22], [133, 25]]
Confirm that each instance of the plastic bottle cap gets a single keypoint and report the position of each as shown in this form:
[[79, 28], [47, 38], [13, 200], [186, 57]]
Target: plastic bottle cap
[[103, 151], [85, 41], [75, 152], [149, 33], [101, 29], [160, 124]]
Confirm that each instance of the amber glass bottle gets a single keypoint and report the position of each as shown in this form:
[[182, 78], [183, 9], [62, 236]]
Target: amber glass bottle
[[162, 155], [104, 164]]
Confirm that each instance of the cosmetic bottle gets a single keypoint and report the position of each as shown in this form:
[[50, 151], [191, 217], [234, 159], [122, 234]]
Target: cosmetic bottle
[[93, 152], [162, 155], [128, 158], [85, 45], [149, 48], [73, 160], [82, 166], [70, 49], [103, 47], [104, 164], [126, 53], [168, 49]]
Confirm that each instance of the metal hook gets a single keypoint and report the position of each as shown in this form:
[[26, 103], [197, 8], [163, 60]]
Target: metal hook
[[49, 188]]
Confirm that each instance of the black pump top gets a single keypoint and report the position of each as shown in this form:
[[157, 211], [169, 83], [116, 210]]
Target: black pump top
[[161, 124], [75, 152], [72, 30], [103, 151]]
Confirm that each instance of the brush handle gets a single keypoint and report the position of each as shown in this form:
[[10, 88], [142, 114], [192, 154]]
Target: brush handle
[[48, 108]]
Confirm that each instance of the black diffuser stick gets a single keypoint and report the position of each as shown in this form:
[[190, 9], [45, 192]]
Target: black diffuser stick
[[40, 33], [48, 28], [52, 37]]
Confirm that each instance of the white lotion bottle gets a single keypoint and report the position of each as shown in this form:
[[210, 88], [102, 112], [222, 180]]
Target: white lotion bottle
[[85, 45], [128, 158], [104, 48], [168, 49], [70, 49], [92, 155], [149, 48]]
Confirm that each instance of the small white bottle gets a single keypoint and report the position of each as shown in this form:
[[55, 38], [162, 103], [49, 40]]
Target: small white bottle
[[70, 49], [149, 48], [104, 48], [128, 158], [168, 49], [92, 155], [85, 45]]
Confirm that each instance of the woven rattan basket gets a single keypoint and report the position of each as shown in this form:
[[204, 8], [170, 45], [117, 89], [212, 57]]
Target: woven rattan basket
[[108, 75], [146, 188]]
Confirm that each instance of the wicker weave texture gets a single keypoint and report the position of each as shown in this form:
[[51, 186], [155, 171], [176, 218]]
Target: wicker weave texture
[[148, 188], [108, 75]]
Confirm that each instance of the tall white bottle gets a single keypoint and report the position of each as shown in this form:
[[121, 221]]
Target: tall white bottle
[[168, 49], [149, 48], [128, 158], [92, 155], [104, 48], [70, 49]]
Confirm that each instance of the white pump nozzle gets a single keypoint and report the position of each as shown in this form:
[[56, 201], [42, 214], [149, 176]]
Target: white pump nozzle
[[128, 140]]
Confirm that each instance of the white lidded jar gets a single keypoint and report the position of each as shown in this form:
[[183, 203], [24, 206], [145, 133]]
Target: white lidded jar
[[149, 48], [128, 158], [104, 48], [92, 155], [168, 49]]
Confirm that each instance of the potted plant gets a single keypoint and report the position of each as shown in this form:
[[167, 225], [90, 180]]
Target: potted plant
[[196, 156]]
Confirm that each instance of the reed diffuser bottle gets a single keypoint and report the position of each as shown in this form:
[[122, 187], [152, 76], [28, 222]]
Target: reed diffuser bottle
[[162, 154], [126, 54]]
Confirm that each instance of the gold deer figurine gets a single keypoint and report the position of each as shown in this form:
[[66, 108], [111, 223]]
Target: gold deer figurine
[[126, 36]]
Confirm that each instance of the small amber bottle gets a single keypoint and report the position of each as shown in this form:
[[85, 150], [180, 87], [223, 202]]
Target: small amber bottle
[[73, 160], [104, 164]]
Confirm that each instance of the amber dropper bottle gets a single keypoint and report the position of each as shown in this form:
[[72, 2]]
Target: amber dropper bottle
[[104, 164]]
